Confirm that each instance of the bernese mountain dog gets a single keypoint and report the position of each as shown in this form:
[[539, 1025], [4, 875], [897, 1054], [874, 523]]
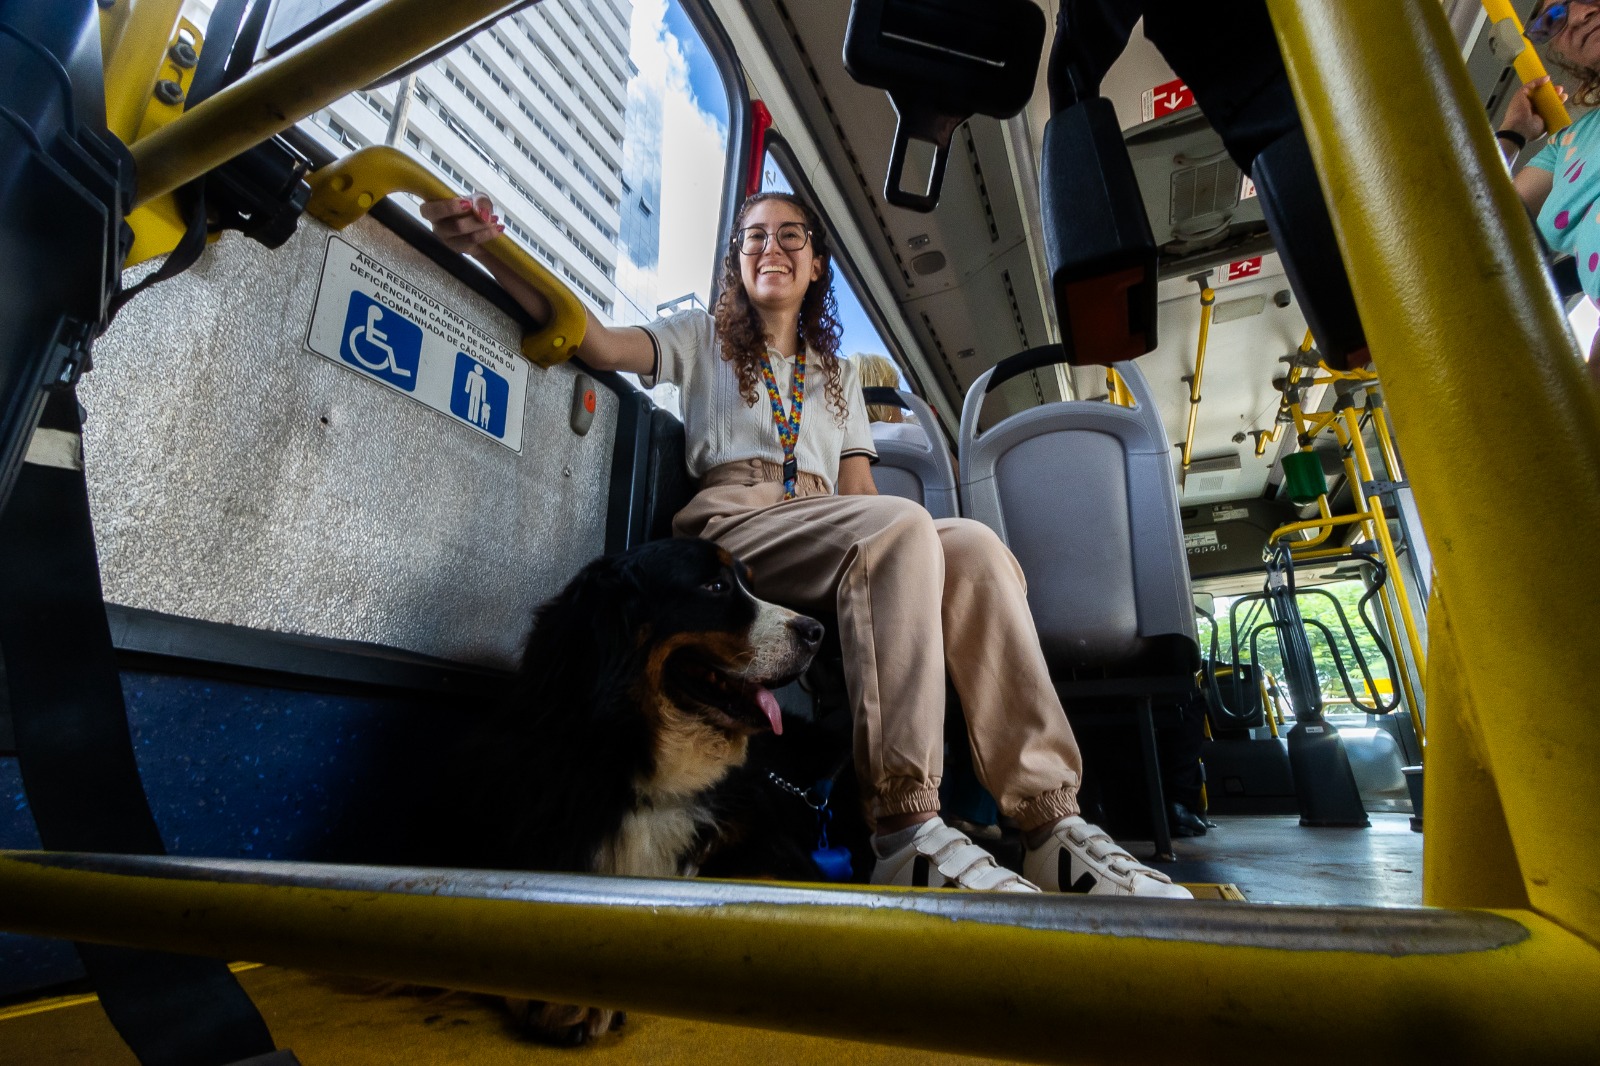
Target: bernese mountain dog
[[642, 684]]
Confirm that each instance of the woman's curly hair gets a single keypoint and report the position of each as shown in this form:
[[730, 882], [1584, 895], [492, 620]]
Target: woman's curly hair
[[739, 330], [1585, 91]]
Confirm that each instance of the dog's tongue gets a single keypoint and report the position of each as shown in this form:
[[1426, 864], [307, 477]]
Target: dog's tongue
[[769, 706]]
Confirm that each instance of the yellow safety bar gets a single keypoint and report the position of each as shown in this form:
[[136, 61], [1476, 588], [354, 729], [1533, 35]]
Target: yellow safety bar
[[1374, 524], [1207, 299], [1483, 345], [1546, 101], [358, 50], [997, 974], [343, 191]]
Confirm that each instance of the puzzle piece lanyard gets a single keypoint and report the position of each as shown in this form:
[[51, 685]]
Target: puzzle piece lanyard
[[788, 424]]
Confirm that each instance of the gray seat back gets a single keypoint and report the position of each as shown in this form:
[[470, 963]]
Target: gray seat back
[[1083, 494], [916, 466]]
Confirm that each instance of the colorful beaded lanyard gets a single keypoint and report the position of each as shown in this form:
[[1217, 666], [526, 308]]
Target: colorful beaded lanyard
[[788, 424]]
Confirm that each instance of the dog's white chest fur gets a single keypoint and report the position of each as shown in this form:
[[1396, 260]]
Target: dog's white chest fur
[[653, 842]]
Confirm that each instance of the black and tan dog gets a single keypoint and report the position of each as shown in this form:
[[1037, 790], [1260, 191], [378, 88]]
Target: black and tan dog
[[641, 687]]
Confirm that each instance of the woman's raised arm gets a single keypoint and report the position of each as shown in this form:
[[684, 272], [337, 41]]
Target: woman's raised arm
[[1533, 184], [466, 225]]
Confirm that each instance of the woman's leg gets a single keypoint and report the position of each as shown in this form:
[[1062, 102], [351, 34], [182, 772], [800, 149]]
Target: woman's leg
[[876, 562], [1022, 747]]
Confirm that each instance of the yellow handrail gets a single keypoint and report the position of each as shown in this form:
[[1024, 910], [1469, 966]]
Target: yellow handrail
[[834, 961], [1207, 299], [343, 191], [378, 37], [1488, 394], [1378, 529], [1546, 101]]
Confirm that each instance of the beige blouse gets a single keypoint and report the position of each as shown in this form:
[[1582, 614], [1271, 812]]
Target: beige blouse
[[721, 428]]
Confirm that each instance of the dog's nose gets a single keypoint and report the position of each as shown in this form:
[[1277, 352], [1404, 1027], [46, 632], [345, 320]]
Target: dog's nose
[[809, 630]]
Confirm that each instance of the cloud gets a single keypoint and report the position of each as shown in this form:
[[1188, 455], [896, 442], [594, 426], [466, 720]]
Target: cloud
[[691, 144]]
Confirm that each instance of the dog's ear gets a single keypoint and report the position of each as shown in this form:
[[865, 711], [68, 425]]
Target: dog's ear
[[589, 630]]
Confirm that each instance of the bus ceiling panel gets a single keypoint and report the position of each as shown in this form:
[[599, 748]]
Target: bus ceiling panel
[[989, 314], [854, 128], [1254, 325], [322, 440]]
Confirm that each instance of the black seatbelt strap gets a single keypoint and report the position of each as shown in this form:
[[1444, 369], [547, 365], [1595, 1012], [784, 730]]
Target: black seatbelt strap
[[76, 755]]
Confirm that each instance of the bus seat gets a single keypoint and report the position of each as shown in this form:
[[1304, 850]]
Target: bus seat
[[1083, 494], [915, 466]]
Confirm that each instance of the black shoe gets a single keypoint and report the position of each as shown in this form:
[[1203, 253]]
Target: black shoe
[[1186, 823]]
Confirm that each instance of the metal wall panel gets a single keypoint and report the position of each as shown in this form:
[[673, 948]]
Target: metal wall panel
[[238, 477]]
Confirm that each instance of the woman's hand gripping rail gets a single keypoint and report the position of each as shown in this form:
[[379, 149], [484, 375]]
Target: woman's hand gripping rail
[[345, 190]]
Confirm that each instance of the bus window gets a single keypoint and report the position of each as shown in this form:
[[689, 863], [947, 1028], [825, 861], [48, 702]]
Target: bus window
[[859, 332], [599, 128], [1314, 607]]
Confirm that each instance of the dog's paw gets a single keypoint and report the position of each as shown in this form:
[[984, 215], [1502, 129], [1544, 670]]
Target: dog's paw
[[562, 1024]]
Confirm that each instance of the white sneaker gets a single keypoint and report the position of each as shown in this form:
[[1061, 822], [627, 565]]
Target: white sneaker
[[941, 857], [1079, 857]]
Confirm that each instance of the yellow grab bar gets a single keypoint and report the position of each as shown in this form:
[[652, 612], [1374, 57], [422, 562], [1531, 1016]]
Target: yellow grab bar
[[1207, 299], [1489, 988], [1530, 67], [343, 191], [1488, 395], [134, 40], [358, 50]]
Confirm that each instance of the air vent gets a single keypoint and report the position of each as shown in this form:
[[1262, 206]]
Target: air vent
[[1229, 310], [1217, 474], [1204, 195], [928, 263]]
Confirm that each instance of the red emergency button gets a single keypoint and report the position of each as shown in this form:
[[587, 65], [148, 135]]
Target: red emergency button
[[588, 401]]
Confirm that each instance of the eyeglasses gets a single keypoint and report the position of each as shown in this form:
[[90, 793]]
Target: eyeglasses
[[792, 236], [1547, 24]]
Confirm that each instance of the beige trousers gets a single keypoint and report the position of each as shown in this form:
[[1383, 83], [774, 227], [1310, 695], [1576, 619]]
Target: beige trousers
[[915, 597]]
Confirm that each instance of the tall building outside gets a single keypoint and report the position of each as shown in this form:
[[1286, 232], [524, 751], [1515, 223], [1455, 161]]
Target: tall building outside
[[535, 113]]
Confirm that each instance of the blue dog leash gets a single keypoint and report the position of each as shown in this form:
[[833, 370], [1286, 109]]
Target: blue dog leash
[[833, 862]]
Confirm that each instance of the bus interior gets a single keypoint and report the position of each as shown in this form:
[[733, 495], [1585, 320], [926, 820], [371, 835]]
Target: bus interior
[[1317, 491]]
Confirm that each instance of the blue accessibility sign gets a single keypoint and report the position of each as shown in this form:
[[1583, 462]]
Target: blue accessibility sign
[[479, 396], [382, 342]]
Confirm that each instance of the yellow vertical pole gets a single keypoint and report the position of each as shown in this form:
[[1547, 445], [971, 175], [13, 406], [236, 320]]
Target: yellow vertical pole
[[1379, 529], [1352, 473], [1468, 859], [1465, 329], [134, 36], [1207, 299]]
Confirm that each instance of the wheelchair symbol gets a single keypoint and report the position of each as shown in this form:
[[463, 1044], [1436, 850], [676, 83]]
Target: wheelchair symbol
[[382, 342]]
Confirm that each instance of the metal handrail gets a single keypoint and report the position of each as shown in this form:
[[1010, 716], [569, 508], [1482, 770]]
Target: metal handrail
[[361, 48]]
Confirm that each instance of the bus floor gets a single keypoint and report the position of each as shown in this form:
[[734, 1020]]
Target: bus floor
[[352, 1022], [1274, 859]]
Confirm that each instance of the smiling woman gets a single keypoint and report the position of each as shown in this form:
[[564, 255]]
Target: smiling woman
[[791, 494], [1570, 34]]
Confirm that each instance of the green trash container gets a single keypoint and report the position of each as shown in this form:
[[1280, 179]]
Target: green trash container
[[1303, 477]]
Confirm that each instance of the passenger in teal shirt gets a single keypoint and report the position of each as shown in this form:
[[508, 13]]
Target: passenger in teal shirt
[[1561, 183]]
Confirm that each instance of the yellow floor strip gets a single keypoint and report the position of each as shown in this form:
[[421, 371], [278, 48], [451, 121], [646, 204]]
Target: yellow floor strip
[[1209, 891]]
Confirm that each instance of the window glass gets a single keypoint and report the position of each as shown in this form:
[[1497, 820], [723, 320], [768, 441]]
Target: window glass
[[598, 127], [859, 334], [1315, 608]]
